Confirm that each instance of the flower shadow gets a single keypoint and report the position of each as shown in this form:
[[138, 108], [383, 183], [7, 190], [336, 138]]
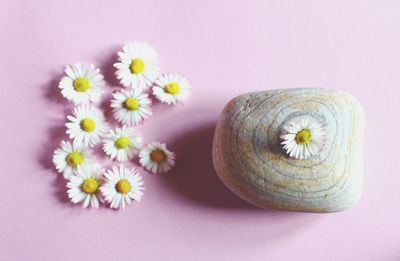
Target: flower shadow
[[51, 91], [107, 68], [60, 190], [55, 135], [105, 107]]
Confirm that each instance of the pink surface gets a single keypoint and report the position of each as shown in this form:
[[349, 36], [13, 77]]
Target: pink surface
[[225, 48]]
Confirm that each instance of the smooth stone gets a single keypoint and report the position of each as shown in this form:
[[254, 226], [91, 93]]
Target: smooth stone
[[250, 161]]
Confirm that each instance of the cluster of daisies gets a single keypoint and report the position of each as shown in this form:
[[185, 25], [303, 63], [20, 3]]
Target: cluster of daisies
[[88, 182]]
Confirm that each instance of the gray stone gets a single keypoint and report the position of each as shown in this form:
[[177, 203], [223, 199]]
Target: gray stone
[[249, 158]]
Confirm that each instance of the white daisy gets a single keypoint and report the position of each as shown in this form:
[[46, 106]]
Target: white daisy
[[122, 143], [131, 107], [86, 126], [156, 158], [84, 185], [70, 156], [83, 83], [171, 88], [137, 66], [303, 137], [122, 185]]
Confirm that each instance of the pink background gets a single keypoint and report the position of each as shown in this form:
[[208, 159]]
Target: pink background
[[225, 48]]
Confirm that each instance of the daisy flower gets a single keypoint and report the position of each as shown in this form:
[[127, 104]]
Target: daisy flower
[[122, 185], [83, 83], [86, 126], [122, 143], [304, 138], [84, 185], [70, 156], [131, 107], [137, 66], [171, 88], [156, 158]]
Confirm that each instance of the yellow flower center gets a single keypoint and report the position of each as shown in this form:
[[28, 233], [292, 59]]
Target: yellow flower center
[[123, 186], [131, 104], [90, 185], [81, 84], [137, 66], [303, 137], [88, 125], [74, 159], [172, 88], [158, 156], [122, 143]]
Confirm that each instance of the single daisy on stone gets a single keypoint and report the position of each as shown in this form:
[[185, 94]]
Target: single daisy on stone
[[84, 185], [86, 126], [156, 158], [138, 65], [171, 88], [122, 185], [68, 157], [122, 143], [83, 83], [303, 137], [131, 107]]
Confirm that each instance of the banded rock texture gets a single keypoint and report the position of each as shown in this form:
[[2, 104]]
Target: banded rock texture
[[249, 158]]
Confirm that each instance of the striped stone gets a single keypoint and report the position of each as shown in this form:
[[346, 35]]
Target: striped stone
[[249, 158]]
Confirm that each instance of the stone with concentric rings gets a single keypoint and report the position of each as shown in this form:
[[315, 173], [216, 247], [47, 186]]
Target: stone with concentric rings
[[249, 158]]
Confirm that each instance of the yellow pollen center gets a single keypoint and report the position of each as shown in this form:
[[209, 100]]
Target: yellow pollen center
[[137, 66], [123, 186], [131, 104], [172, 88], [88, 125], [122, 143], [74, 159], [81, 84], [303, 137], [158, 156], [90, 185]]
